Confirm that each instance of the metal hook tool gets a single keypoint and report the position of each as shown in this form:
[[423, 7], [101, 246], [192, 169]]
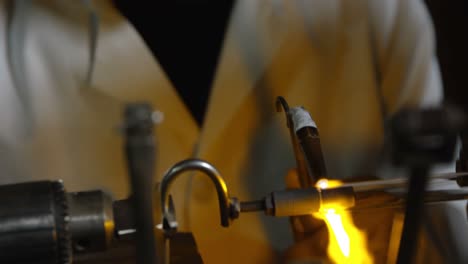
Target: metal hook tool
[[302, 171], [229, 207]]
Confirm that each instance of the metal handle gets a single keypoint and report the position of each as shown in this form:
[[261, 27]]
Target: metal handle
[[140, 150], [225, 203], [301, 163]]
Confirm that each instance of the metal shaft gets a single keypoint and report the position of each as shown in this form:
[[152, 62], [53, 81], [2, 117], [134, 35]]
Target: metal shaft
[[301, 163], [386, 184], [140, 151], [399, 200], [252, 206], [309, 141], [413, 214]]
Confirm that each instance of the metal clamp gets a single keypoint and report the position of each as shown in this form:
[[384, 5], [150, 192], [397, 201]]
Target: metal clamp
[[229, 207]]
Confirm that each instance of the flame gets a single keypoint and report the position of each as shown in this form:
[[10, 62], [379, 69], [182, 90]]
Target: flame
[[347, 243]]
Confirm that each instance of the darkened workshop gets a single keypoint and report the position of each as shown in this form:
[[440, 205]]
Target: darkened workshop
[[233, 131]]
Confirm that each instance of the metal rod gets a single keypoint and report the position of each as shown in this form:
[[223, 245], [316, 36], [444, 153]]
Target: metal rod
[[309, 140], [413, 214], [302, 170], [399, 201], [252, 206], [140, 152], [397, 182]]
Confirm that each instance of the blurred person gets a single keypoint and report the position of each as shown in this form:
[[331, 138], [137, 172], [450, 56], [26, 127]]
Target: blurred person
[[352, 64]]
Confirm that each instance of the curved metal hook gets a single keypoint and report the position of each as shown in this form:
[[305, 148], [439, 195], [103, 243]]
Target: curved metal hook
[[210, 171], [281, 104], [302, 169]]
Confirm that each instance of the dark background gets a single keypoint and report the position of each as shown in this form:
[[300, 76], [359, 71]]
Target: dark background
[[186, 37]]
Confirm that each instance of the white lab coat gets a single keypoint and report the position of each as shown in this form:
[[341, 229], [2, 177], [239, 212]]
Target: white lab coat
[[330, 56]]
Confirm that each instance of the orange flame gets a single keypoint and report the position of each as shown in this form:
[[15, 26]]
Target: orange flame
[[347, 243]]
